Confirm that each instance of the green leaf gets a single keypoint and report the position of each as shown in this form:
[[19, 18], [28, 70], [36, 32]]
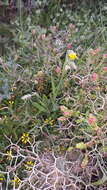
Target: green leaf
[[39, 107], [42, 103], [53, 87]]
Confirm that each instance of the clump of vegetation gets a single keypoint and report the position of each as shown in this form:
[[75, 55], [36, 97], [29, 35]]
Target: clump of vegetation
[[53, 98]]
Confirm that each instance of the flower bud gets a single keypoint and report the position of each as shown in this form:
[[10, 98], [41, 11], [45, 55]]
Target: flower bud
[[104, 68], [58, 70], [92, 119], [94, 76], [69, 46]]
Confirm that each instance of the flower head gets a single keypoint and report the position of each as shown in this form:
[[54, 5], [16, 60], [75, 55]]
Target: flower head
[[92, 119], [72, 56], [69, 46], [69, 60], [94, 76], [9, 155], [49, 121], [105, 55], [63, 108], [58, 70], [1, 179], [94, 52], [16, 181], [65, 111], [11, 102], [62, 118], [104, 68], [29, 165], [81, 145], [25, 138]]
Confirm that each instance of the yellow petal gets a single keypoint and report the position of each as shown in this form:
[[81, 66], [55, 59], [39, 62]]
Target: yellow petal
[[81, 145]]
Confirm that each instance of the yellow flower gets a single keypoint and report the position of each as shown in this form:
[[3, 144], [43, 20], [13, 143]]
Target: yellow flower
[[16, 180], [1, 177], [9, 155], [11, 102], [72, 56], [69, 149], [29, 165], [49, 122], [46, 121], [84, 161], [81, 145], [25, 138]]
